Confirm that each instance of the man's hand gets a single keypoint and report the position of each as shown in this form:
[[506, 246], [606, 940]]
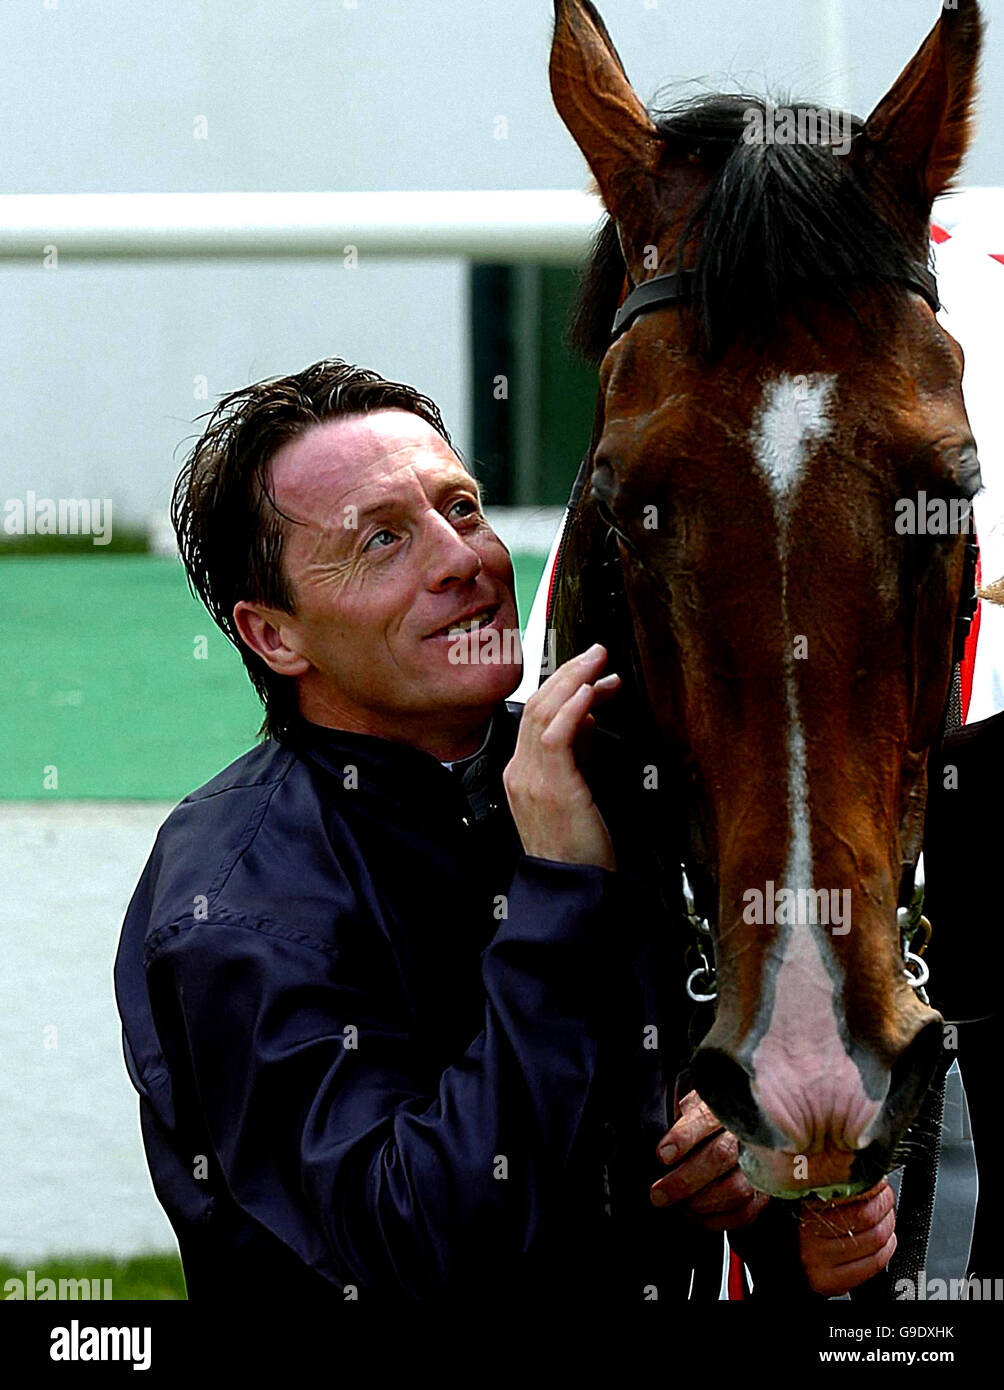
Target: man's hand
[[706, 1176], [842, 1243], [551, 804]]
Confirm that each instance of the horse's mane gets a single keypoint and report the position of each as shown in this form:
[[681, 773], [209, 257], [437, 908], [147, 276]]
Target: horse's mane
[[778, 220]]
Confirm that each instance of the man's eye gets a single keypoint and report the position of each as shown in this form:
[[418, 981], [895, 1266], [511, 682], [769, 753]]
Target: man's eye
[[376, 537], [471, 505]]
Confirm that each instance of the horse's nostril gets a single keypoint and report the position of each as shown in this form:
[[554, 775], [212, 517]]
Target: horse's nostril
[[724, 1087]]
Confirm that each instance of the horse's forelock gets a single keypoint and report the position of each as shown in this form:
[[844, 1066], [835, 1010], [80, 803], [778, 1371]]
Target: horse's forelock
[[779, 223]]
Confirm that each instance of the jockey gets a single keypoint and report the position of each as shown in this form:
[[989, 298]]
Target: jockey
[[392, 1003]]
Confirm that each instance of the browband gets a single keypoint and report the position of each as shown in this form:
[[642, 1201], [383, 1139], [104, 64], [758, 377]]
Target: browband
[[670, 289]]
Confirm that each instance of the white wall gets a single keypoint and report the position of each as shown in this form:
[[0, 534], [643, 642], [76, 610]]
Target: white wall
[[97, 364]]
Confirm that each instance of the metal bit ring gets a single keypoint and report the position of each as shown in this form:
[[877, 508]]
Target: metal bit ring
[[919, 980], [705, 970]]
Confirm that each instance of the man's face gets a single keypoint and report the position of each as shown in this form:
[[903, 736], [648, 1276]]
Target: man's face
[[394, 550]]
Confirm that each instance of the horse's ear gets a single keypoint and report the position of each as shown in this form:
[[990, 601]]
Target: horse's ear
[[598, 105], [917, 136]]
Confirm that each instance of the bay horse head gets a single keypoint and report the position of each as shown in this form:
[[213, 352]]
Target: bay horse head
[[774, 426]]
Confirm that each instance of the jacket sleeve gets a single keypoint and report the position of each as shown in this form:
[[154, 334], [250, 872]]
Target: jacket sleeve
[[329, 1128]]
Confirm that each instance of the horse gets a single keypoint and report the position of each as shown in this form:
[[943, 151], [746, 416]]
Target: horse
[[778, 410]]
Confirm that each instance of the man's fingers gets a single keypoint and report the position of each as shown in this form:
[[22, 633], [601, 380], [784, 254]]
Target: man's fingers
[[855, 1245], [557, 719], [696, 1122], [703, 1166], [842, 1278], [727, 1193], [838, 1219], [606, 686], [845, 1242], [544, 703], [560, 732], [548, 795]]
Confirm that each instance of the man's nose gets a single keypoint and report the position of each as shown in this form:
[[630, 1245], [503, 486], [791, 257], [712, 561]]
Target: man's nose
[[451, 557]]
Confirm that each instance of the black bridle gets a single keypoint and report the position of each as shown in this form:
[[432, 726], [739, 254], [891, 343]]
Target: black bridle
[[671, 289], [921, 1174], [663, 291]]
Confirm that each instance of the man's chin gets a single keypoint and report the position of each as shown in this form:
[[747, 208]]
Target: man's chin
[[483, 665], [472, 687]]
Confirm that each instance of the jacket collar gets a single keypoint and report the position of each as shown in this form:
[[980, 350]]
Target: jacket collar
[[406, 775]]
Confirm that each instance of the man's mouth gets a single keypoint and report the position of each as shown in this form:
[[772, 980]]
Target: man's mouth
[[459, 627]]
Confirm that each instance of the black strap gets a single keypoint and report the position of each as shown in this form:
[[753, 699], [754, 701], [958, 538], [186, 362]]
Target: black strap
[[968, 599], [671, 289], [652, 294]]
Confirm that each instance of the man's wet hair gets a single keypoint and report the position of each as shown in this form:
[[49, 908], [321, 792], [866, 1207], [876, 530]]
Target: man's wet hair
[[230, 531]]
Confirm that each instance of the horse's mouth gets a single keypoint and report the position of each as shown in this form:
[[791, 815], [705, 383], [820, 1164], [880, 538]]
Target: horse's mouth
[[827, 1175]]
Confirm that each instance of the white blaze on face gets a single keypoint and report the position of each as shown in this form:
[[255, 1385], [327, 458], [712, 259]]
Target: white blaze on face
[[793, 415], [804, 1081]]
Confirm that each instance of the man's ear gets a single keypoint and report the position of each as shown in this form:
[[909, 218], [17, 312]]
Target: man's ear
[[262, 629]]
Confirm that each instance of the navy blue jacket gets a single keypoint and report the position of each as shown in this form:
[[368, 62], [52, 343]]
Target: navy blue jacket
[[381, 1052]]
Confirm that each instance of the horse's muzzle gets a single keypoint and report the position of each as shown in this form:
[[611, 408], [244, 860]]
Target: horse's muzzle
[[800, 1146]]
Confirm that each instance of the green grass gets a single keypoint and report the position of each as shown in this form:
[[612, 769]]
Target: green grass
[[119, 681], [117, 678], [124, 540], [143, 1277]]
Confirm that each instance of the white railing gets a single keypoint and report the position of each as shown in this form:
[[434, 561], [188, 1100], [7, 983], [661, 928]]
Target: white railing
[[545, 226]]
